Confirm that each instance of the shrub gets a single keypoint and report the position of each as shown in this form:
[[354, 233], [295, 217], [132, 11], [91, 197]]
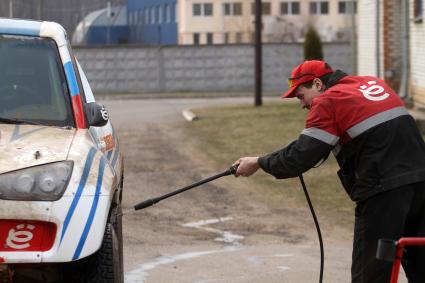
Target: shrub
[[312, 45]]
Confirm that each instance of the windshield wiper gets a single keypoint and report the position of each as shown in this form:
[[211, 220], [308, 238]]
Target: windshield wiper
[[17, 121]]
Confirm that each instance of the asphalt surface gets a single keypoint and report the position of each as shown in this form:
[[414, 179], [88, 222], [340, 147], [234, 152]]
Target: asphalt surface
[[133, 112]]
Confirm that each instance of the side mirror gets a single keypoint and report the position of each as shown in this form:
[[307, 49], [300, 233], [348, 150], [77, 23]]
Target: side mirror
[[96, 114]]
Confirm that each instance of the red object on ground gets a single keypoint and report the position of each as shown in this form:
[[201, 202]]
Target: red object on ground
[[399, 254], [26, 235]]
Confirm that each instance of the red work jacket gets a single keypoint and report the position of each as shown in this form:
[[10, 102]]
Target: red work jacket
[[365, 124]]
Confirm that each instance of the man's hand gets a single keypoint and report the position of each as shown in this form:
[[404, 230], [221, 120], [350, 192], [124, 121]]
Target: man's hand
[[247, 166]]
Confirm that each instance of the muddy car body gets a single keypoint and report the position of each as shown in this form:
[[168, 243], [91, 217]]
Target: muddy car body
[[61, 170]]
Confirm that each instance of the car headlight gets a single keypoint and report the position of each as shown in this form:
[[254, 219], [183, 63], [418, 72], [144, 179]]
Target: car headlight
[[45, 182]]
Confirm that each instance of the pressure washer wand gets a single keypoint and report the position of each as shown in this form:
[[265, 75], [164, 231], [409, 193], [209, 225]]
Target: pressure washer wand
[[152, 201]]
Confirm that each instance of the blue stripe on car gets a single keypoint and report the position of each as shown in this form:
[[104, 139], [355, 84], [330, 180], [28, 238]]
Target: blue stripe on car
[[92, 210], [17, 132], [81, 186], [72, 79], [21, 27], [109, 155]]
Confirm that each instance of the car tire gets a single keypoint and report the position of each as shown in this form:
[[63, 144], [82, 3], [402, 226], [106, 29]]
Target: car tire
[[118, 244], [107, 263]]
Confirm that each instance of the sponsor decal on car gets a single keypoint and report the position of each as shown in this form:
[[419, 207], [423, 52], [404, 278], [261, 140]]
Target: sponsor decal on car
[[26, 235], [109, 142]]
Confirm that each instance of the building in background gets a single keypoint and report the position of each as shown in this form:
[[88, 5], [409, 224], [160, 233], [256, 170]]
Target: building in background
[[152, 22], [391, 36], [416, 58], [69, 13], [104, 26], [232, 21], [168, 22]]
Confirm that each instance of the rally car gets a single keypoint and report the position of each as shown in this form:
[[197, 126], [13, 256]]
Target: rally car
[[61, 170]]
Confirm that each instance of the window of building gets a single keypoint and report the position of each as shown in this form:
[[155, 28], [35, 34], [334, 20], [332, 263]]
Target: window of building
[[209, 38], [234, 9], [418, 11], [202, 9], [346, 7], [208, 9], [237, 9], [146, 16], [160, 14], [319, 7], [266, 8], [324, 8], [168, 13], [153, 18], [176, 12], [140, 21], [289, 8], [196, 38], [227, 9], [196, 9]]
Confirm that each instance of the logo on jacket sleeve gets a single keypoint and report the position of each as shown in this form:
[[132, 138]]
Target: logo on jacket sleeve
[[374, 91]]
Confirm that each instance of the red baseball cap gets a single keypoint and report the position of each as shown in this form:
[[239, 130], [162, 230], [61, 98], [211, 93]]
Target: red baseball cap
[[305, 72]]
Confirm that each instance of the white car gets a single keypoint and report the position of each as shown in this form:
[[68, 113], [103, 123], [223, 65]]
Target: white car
[[61, 170]]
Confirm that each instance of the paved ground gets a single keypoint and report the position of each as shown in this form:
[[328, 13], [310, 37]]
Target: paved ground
[[222, 232]]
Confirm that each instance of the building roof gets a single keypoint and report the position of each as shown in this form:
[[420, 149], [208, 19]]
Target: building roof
[[100, 18]]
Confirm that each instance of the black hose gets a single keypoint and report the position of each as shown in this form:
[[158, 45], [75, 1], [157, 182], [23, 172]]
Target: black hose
[[316, 223]]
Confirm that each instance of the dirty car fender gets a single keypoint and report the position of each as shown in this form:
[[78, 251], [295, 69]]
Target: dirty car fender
[[84, 208]]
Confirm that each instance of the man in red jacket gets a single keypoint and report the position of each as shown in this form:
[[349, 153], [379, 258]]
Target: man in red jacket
[[380, 152]]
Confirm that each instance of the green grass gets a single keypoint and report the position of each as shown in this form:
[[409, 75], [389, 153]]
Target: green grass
[[223, 134]]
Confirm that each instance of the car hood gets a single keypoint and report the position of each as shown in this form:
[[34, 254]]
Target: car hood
[[24, 146]]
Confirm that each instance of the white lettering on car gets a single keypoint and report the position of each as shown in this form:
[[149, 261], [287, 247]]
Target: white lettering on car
[[19, 238], [374, 92]]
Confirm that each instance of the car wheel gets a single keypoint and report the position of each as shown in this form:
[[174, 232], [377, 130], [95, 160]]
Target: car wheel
[[106, 265], [118, 244], [108, 261]]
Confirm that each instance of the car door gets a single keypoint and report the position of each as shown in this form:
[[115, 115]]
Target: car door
[[104, 136]]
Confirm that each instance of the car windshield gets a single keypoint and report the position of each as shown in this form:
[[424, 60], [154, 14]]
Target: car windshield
[[33, 87]]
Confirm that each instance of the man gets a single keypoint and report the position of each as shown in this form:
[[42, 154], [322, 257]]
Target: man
[[380, 152]]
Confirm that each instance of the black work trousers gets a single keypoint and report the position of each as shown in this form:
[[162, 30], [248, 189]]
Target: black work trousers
[[390, 215]]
